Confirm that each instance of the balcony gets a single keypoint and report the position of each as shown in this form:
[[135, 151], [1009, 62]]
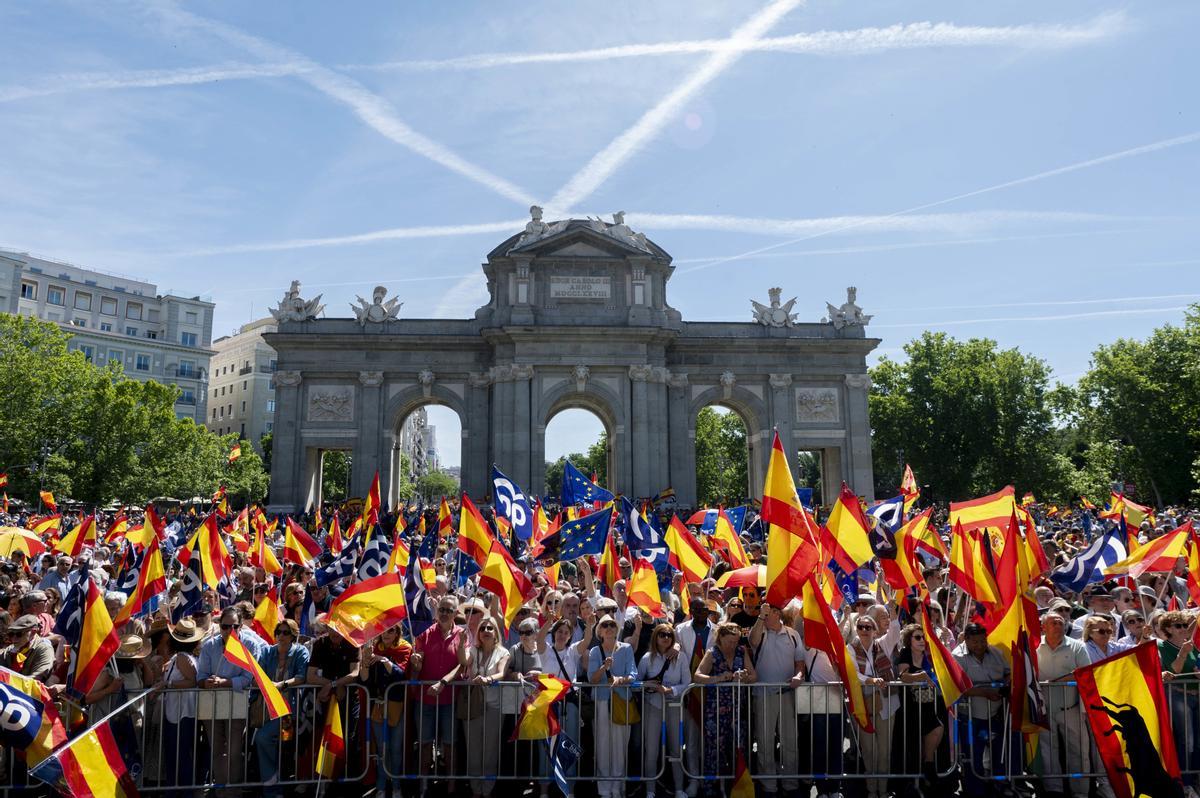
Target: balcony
[[244, 370]]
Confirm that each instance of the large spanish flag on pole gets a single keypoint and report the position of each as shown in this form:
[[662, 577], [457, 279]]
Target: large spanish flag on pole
[[333, 742], [952, 679], [235, 652], [502, 576], [373, 505], [792, 551], [822, 632], [298, 545], [844, 536], [537, 720], [474, 536], [1131, 724], [98, 641], [84, 534], [986, 511], [1160, 554], [368, 607]]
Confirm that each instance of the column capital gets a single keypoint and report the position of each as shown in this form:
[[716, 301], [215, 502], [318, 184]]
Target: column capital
[[288, 379], [677, 379], [859, 381], [780, 380], [371, 379]]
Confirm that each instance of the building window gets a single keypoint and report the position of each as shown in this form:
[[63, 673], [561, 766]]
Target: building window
[[244, 385], [222, 411], [78, 322], [152, 335], [116, 356], [133, 310], [28, 290], [88, 352], [56, 295], [105, 326], [243, 407], [83, 301], [270, 425], [231, 409], [274, 364], [188, 396], [190, 317], [187, 339], [108, 306], [131, 332], [214, 418], [222, 390], [142, 363], [270, 405], [271, 385]]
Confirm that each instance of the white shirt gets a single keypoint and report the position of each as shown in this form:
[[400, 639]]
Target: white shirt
[[570, 662]]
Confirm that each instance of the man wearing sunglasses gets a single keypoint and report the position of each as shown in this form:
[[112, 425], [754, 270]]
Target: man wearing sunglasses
[[28, 653], [224, 727]]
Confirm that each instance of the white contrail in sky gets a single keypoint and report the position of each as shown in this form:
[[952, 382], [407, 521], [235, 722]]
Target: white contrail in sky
[[1105, 301], [932, 324], [1187, 138], [623, 147], [821, 43], [372, 109], [390, 234]]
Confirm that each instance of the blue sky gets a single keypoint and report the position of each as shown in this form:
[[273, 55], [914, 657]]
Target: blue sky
[[1023, 171]]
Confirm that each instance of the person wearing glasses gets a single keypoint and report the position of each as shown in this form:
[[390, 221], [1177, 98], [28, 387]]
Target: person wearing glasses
[[665, 676], [1182, 673], [385, 669], [611, 665], [779, 659], [984, 733], [28, 653], [286, 664], [695, 635], [726, 661], [438, 657], [921, 721], [224, 729], [487, 664], [876, 669], [1058, 657], [1099, 634], [524, 664]]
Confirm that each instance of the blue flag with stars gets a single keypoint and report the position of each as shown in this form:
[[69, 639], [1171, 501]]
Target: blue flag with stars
[[579, 538], [578, 489]]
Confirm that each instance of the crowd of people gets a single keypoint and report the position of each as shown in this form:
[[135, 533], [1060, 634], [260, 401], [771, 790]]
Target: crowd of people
[[681, 704]]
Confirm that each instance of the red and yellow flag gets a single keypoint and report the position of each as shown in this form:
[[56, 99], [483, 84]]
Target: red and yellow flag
[[743, 784], [474, 536], [445, 520], [235, 652], [235, 452], [333, 742], [152, 527], [1158, 555], [727, 540], [46, 527], [503, 577], [298, 545], [642, 588], [267, 615], [3, 480], [987, 511], [844, 537], [1131, 724], [968, 567], [792, 552], [821, 632], [685, 552], [909, 488], [48, 500], [373, 506], [609, 567], [118, 529], [84, 534], [952, 679], [904, 571], [368, 607], [207, 544], [98, 641], [152, 580], [89, 766], [538, 720]]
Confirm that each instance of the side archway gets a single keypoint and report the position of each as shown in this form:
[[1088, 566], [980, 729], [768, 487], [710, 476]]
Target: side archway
[[400, 437], [753, 414]]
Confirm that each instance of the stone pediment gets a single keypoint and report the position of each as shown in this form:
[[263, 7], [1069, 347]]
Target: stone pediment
[[580, 249], [581, 238]]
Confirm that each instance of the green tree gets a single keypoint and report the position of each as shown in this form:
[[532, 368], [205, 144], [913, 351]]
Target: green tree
[[267, 444], [433, 485], [1138, 400], [968, 417], [335, 475], [721, 458], [595, 461]]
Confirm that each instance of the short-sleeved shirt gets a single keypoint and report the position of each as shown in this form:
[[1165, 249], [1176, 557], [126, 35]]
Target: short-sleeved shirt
[[1055, 663], [992, 668], [334, 660], [776, 655], [440, 656]]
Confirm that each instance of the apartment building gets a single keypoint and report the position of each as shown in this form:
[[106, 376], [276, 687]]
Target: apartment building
[[241, 388]]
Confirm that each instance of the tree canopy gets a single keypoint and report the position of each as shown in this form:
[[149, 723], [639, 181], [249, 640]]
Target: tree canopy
[[721, 458], [92, 434]]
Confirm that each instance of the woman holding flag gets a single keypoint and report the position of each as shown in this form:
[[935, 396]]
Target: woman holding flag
[[385, 665], [921, 722], [479, 707], [286, 663], [611, 665]]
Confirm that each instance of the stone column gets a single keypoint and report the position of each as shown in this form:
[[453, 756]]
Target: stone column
[[858, 433], [522, 430], [783, 415], [681, 445], [287, 488], [369, 446], [476, 457], [656, 400], [640, 448]]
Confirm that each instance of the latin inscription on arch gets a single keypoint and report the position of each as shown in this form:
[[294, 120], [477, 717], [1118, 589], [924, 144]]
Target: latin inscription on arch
[[575, 287]]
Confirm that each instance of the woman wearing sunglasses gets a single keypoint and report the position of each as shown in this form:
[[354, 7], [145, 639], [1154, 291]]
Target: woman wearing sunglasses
[[665, 676], [1182, 674]]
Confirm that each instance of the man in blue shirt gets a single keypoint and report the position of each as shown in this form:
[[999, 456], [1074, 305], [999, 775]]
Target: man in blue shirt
[[225, 725]]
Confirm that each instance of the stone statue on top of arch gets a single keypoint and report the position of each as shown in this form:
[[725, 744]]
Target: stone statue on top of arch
[[377, 311], [292, 307]]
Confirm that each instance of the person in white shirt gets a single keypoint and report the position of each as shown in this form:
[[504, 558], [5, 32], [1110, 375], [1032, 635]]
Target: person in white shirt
[[665, 675], [694, 636], [1058, 657], [779, 658]]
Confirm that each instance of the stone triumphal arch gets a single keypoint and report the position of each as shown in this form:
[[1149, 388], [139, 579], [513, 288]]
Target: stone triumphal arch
[[577, 317]]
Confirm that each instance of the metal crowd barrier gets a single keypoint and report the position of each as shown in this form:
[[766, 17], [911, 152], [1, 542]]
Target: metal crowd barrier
[[787, 737]]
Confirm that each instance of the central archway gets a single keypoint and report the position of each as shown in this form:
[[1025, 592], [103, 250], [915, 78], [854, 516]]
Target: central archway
[[599, 402]]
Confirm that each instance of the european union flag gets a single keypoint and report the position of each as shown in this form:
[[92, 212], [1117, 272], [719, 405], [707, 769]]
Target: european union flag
[[464, 569], [579, 538], [578, 489], [737, 517]]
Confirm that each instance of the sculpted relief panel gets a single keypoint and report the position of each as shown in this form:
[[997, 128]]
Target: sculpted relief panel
[[331, 403], [817, 405]]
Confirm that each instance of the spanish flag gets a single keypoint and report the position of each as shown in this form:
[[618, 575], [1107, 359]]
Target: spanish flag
[[844, 535], [1131, 724], [235, 652], [368, 607], [643, 589], [235, 452], [609, 570], [47, 526], [725, 538], [993, 510], [207, 544], [1158, 555], [373, 505], [267, 615], [1087, 505], [152, 527], [3, 480], [89, 766], [1193, 567], [952, 679], [538, 720], [968, 567], [904, 571], [685, 552], [98, 641], [1027, 500], [821, 632], [152, 580], [743, 785], [507, 580], [909, 488], [261, 555], [84, 534], [298, 545], [792, 552], [118, 529], [48, 500], [474, 537], [445, 519], [333, 743]]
